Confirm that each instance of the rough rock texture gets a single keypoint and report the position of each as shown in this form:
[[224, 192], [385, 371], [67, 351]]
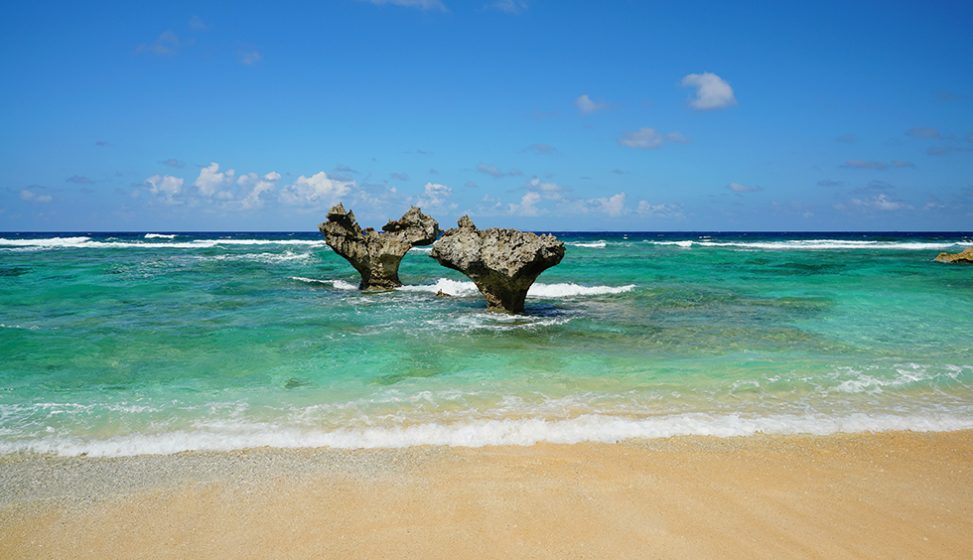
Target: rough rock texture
[[965, 256], [502, 262], [375, 255]]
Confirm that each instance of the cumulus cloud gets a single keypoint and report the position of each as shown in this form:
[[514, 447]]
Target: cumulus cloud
[[876, 165], [211, 180], [587, 105], [28, 195], [496, 172], [257, 185], [650, 138], [613, 205], [434, 195], [662, 210], [316, 189], [508, 6], [167, 43], [424, 5], [712, 91], [527, 205], [537, 192], [165, 186], [740, 188]]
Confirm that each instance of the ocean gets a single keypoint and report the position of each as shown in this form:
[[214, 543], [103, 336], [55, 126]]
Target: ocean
[[115, 344]]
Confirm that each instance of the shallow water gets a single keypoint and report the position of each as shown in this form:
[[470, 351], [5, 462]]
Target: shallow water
[[117, 344]]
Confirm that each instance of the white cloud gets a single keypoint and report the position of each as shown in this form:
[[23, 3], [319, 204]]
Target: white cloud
[[165, 186], [425, 5], [508, 6], [537, 192], [527, 206], [712, 91], [260, 185], [650, 138], [211, 180], [740, 188], [547, 189], [587, 105], [434, 195], [31, 196], [878, 202], [664, 210], [613, 205], [316, 189]]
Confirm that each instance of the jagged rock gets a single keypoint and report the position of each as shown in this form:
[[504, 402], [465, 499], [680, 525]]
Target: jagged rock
[[376, 256], [965, 256], [441, 293], [503, 263]]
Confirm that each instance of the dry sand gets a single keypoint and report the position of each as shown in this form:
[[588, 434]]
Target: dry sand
[[892, 495]]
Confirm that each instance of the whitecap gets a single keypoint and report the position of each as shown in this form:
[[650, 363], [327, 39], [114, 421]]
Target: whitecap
[[88, 243], [336, 284], [589, 245], [818, 245], [160, 236], [538, 290]]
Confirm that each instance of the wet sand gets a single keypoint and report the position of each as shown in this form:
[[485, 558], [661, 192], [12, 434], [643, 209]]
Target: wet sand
[[890, 495]]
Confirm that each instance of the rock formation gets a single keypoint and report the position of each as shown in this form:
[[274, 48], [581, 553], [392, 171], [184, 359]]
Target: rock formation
[[965, 256], [503, 263], [376, 256]]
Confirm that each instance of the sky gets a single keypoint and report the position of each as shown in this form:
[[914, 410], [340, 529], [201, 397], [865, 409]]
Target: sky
[[535, 114]]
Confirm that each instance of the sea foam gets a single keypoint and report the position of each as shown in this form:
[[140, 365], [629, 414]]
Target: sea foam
[[82, 242], [538, 290], [817, 245], [227, 436]]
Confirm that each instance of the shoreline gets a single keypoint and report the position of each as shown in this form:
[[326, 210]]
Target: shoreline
[[888, 495]]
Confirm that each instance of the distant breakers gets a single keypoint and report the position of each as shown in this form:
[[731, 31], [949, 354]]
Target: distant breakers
[[503, 263], [965, 256]]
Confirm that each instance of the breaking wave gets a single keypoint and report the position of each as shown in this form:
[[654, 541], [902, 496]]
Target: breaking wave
[[588, 244], [160, 236], [819, 244], [228, 436], [538, 290], [336, 284], [87, 243]]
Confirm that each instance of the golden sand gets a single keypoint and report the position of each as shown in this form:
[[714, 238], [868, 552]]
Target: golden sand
[[893, 495]]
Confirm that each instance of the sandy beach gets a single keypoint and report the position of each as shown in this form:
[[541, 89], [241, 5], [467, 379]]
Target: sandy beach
[[888, 495]]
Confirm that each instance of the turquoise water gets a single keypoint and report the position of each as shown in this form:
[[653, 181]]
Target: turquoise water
[[116, 344]]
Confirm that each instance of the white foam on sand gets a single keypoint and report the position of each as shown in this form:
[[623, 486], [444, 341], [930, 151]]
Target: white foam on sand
[[227, 436]]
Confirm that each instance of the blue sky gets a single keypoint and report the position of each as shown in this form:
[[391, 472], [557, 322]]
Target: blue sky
[[524, 113]]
